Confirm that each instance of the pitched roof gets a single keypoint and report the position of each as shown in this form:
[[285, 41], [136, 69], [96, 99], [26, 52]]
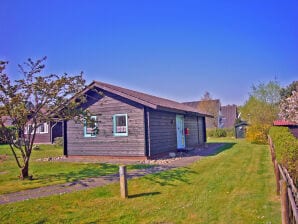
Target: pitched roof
[[150, 101], [229, 114], [284, 123], [205, 106]]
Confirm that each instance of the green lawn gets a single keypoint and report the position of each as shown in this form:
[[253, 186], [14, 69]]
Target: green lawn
[[234, 186], [48, 173]]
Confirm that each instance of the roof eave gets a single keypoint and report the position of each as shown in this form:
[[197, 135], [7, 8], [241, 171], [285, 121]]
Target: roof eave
[[135, 99]]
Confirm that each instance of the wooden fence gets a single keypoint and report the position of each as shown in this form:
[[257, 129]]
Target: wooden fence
[[287, 190]]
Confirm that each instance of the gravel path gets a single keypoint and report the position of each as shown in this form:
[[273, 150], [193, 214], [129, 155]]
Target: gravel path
[[161, 165]]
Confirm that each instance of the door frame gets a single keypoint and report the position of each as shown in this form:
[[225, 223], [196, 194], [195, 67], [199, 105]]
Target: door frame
[[180, 131]]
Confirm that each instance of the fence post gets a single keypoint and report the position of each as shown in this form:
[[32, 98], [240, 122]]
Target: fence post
[[123, 182], [284, 202], [277, 177]]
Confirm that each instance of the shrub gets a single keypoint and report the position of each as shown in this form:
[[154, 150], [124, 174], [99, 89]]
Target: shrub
[[210, 132], [230, 132], [217, 133], [286, 149], [257, 134], [6, 131], [58, 141], [35, 147]]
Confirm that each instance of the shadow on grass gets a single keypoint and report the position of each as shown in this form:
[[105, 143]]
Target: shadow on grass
[[212, 151], [171, 177], [72, 176], [143, 194], [42, 221]]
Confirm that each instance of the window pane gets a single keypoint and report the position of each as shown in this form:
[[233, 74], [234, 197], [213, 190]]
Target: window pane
[[120, 124], [42, 129], [91, 127]]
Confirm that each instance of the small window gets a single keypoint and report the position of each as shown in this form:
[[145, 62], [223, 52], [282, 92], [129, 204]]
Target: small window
[[43, 128], [29, 129], [120, 125], [91, 127]]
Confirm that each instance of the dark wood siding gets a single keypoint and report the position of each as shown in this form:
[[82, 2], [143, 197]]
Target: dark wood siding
[[191, 122], [294, 130], [43, 138], [105, 143], [202, 130], [56, 130], [162, 132]]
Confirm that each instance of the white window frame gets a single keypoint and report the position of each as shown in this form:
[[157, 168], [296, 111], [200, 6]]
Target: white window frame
[[115, 125], [87, 135], [27, 128], [46, 129]]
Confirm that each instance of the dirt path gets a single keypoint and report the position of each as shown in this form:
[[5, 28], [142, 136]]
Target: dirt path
[[104, 180]]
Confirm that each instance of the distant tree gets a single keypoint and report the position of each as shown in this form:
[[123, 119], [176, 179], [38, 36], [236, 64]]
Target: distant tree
[[288, 91], [258, 112], [261, 110], [267, 92], [35, 99], [207, 96]]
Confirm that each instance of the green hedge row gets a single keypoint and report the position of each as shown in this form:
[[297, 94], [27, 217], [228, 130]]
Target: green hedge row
[[220, 132], [286, 149]]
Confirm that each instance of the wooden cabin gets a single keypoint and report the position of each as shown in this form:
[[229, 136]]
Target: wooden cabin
[[127, 123], [46, 132]]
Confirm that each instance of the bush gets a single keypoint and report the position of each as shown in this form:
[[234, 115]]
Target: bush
[[230, 132], [6, 131], [286, 149], [257, 134], [218, 133], [58, 141]]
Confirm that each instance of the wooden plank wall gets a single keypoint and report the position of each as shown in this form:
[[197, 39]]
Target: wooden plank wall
[[57, 130], [202, 130], [105, 143], [162, 129], [43, 138], [191, 122]]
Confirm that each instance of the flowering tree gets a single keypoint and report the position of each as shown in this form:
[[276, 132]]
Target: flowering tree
[[35, 99], [289, 108]]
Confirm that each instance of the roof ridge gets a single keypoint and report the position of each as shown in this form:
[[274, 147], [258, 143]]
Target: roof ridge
[[156, 101]]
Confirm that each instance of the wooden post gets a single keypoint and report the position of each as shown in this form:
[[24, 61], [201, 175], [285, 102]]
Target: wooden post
[[277, 177], [123, 182], [284, 202]]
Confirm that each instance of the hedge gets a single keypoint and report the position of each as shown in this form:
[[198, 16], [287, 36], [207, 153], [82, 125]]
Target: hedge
[[221, 132], [286, 149]]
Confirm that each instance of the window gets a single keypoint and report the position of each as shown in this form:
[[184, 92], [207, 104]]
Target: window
[[43, 128], [120, 125], [29, 129], [91, 127]]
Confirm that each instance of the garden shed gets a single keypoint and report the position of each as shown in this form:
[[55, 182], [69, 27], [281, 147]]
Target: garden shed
[[127, 123], [240, 129]]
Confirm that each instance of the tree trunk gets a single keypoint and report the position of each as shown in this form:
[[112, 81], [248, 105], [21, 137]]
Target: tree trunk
[[25, 171]]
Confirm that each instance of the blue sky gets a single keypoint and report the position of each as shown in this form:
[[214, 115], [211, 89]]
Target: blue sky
[[173, 49]]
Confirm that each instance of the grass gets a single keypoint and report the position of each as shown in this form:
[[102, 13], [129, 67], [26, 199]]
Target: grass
[[234, 186], [48, 173]]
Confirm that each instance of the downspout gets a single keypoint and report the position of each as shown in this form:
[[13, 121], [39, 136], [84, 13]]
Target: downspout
[[51, 133], [64, 129], [147, 132]]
